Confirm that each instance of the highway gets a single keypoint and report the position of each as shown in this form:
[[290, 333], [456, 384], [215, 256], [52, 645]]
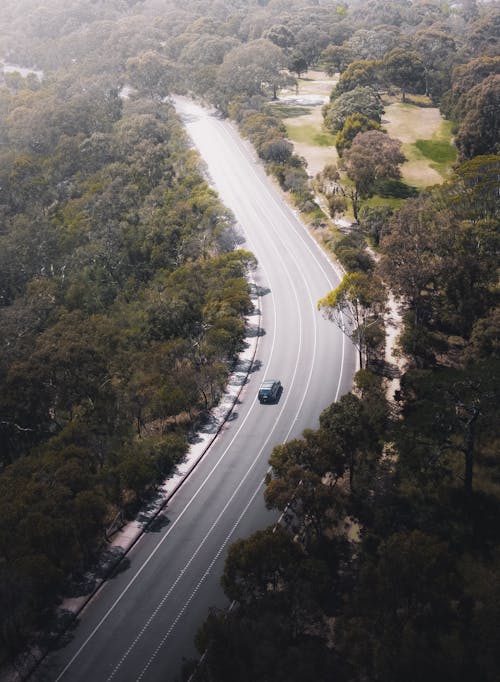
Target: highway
[[142, 623]]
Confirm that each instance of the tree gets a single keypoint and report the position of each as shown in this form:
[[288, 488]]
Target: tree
[[445, 414], [354, 306], [472, 191], [280, 35], [297, 63], [373, 220], [373, 43], [361, 100], [405, 69], [464, 78], [485, 338], [399, 619], [359, 74], [265, 562], [436, 49], [151, 73], [251, 69], [410, 264], [479, 131], [277, 150], [206, 49], [482, 37], [354, 124], [336, 58], [348, 425], [303, 484], [372, 156]]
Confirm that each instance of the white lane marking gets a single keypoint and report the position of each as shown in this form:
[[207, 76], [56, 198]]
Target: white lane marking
[[139, 571], [148, 559], [205, 574], [279, 256], [298, 228], [221, 548]]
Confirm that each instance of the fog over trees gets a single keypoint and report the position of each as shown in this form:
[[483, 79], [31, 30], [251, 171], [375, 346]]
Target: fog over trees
[[123, 296]]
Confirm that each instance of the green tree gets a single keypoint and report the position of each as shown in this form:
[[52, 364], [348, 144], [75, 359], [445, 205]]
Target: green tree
[[373, 42], [445, 414], [485, 338], [359, 74], [464, 78], [251, 69], [151, 73], [372, 156], [354, 124], [354, 306], [263, 563], [373, 220], [297, 63], [410, 264], [348, 425], [436, 48], [361, 100], [336, 58], [482, 37], [479, 130], [405, 70], [401, 611]]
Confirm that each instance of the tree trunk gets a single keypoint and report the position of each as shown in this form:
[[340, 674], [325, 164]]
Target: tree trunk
[[351, 474], [360, 354], [469, 450]]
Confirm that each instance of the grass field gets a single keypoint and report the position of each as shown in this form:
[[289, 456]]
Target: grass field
[[309, 133], [290, 110], [427, 142]]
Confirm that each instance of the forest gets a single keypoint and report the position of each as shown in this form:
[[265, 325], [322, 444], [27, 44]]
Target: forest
[[123, 296]]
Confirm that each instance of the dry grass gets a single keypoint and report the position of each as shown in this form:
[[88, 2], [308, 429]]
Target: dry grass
[[316, 83], [409, 123], [412, 124]]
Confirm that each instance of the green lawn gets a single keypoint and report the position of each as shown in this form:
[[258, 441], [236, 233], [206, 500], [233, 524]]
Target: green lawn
[[438, 151], [290, 110], [309, 134]]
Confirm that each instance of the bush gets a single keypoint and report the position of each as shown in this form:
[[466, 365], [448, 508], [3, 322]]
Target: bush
[[351, 252], [373, 219]]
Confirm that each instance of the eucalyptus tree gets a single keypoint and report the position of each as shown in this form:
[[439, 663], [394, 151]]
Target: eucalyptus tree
[[354, 306]]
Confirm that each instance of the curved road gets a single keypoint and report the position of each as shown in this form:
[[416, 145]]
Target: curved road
[[141, 624]]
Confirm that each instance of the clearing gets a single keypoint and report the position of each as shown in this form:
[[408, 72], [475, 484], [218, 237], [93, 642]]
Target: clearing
[[426, 137]]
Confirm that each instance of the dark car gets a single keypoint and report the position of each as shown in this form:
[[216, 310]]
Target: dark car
[[269, 391]]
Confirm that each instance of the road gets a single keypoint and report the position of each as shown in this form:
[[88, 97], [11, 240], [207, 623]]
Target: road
[[142, 623]]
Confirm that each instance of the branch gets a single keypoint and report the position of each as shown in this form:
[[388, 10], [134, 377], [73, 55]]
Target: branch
[[19, 428]]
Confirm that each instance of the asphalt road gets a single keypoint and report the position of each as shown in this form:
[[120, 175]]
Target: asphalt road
[[142, 623]]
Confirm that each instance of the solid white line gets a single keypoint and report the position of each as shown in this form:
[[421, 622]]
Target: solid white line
[[209, 475], [264, 446]]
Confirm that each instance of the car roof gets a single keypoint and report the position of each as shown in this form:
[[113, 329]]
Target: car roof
[[268, 383]]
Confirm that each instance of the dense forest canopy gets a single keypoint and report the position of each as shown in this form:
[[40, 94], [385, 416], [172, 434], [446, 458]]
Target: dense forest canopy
[[111, 348]]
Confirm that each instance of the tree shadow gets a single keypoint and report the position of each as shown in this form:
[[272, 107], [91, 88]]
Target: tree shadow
[[157, 524], [256, 366], [254, 330]]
